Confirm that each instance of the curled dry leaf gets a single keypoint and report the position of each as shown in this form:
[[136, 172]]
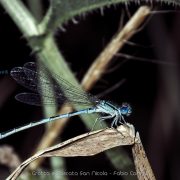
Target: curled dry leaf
[[143, 168], [85, 145]]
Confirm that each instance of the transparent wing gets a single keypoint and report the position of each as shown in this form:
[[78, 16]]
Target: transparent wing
[[28, 77], [32, 99], [36, 99]]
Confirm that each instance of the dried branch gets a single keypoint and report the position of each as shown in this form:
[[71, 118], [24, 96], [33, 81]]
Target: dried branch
[[101, 62]]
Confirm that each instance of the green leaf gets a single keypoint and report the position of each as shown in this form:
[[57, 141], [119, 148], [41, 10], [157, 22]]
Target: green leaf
[[61, 11]]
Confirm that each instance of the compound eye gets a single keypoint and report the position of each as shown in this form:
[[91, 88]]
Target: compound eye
[[126, 109]]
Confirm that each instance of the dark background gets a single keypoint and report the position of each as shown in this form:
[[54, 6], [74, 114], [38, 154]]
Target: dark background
[[151, 86]]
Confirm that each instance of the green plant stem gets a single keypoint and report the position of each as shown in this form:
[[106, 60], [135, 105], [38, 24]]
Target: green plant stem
[[61, 11], [21, 16]]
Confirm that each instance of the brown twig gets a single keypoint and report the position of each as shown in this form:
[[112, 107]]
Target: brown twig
[[101, 62]]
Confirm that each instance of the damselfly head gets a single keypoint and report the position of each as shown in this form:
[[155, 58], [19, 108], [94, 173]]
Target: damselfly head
[[126, 109]]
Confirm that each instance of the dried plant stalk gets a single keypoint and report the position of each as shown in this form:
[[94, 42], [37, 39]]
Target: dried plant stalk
[[98, 67]]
